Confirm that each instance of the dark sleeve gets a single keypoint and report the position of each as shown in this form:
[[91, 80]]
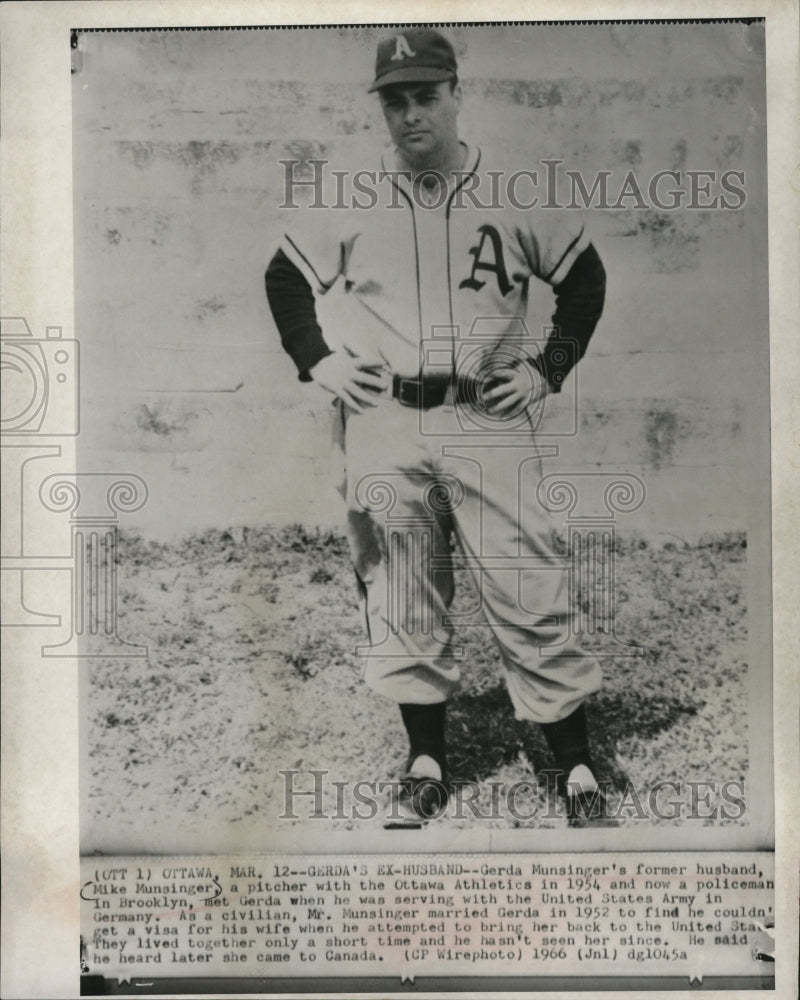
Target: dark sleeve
[[292, 303], [579, 305]]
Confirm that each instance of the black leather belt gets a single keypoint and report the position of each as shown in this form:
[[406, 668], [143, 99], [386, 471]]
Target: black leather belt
[[427, 392], [422, 393]]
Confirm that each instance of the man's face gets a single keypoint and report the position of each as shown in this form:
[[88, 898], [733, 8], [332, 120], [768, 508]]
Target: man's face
[[422, 120]]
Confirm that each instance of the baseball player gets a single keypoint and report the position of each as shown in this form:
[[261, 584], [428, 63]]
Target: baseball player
[[438, 389]]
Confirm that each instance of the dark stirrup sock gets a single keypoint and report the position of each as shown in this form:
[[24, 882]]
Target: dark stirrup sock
[[425, 727], [568, 740]]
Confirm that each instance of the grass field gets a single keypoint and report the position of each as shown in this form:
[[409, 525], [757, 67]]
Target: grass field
[[252, 669]]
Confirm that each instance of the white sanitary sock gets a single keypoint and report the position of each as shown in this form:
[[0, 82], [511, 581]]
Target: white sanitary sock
[[581, 779], [426, 767]]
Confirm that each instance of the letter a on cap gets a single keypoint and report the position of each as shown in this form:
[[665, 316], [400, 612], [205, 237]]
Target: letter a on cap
[[402, 49]]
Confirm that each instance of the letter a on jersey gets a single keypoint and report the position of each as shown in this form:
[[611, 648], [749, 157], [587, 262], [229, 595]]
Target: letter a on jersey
[[498, 267], [402, 49]]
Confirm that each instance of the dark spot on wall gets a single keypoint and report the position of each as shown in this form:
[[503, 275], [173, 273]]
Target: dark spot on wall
[[594, 420], [140, 153], [723, 88], [541, 95], [607, 92], [158, 419], [292, 91], [661, 432], [202, 158], [208, 155], [627, 151], [528, 93], [304, 150], [678, 154], [209, 307], [674, 238], [160, 226], [113, 236], [729, 150], [634, 90]]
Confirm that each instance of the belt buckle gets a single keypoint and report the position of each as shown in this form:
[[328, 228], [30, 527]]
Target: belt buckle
[[410, 398]]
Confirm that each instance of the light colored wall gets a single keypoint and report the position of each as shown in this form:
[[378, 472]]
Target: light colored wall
[[176, 141]]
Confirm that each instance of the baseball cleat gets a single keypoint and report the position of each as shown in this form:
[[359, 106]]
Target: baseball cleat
[[413, 801]]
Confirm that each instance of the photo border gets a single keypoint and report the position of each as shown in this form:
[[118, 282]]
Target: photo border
[[40, 762]]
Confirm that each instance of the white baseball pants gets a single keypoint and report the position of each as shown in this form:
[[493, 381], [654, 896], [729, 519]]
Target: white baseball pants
[[414, 480]]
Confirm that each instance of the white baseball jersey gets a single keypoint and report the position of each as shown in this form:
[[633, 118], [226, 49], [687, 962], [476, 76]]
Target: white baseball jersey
[[390, 278]]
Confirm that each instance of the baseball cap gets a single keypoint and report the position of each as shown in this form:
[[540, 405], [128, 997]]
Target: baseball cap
[[415, 55]]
